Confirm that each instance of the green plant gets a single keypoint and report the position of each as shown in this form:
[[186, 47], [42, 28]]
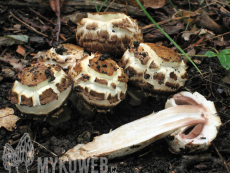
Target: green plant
[[101, 5], [223, 56]]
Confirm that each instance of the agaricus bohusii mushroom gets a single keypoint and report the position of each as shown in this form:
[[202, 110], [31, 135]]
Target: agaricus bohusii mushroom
[[108, 32], [154, 69], [99, 82], [136, 135], [40, 89], [65, 55], [192, 138]]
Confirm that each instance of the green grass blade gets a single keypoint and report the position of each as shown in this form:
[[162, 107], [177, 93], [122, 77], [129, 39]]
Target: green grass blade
[[102, 5], [153, 21], [182, 15], [96, 5]]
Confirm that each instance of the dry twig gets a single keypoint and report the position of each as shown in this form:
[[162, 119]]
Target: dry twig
[[32, 28], [221, 157]]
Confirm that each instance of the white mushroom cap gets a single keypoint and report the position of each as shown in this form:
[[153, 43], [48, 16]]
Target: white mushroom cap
[[108, 32], [199, 138], [65, 55], [152, 68], [99, 81], [40, 89]]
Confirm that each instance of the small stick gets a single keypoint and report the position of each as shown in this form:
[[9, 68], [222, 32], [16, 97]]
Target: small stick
[[109, 5], [221, 157], [32, 28], [55, 155], [62, 37], [225, 123], [3, 52], [43, 28], [50, 21], [218, 36]]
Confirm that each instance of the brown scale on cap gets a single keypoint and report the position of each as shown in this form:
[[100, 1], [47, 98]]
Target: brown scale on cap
[[33, 75], [26, 101], [65, 83], [165, 53], [13, 96], [48, 96], [102, 65], [101, 81], [173, 75]]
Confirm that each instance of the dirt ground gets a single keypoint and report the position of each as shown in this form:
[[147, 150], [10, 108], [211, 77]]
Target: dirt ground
[[214, 84]]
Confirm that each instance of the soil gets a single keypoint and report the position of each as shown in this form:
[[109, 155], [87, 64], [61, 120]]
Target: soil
[[154, 158]]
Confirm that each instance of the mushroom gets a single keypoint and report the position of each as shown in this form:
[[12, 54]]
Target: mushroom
[[40, 89], [155, 69], [194, 138], [138, 134], [108, 32], [65, 55], [99, 82]]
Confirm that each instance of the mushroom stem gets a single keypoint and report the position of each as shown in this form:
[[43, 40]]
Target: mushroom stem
[[82, 107], [136, 96], [136, 135]]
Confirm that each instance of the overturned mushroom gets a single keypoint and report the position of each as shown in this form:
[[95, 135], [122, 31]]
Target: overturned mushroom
[[65, 55], [194, 138], [108, 32], [99, 82], [40, 89], [136, 135], [154, 69]]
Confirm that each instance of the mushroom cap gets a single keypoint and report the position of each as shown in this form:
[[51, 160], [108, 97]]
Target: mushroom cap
[[65, 55], [160, 71], [196, 138], [108, 32], [40, 89], [99, 81]]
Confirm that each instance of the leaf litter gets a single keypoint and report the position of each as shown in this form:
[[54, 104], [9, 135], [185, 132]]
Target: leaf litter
[[208, 29]]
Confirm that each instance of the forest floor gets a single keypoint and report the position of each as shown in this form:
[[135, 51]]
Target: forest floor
[[208, 30]]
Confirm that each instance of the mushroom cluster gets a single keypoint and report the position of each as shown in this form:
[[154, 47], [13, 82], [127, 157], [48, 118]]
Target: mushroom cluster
[[154, 69], [108, 32], [40, 89], [99, 81], [100, 84]]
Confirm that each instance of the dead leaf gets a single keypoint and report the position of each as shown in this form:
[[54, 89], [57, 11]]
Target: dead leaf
[[206, 22], [226, 79], [14, 62], [40, 54], [154, 3], [53, 4], [21, 50], [186, 34], [146, 3], [186, 14], [13, 39], [8, 119], [156, 35]]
